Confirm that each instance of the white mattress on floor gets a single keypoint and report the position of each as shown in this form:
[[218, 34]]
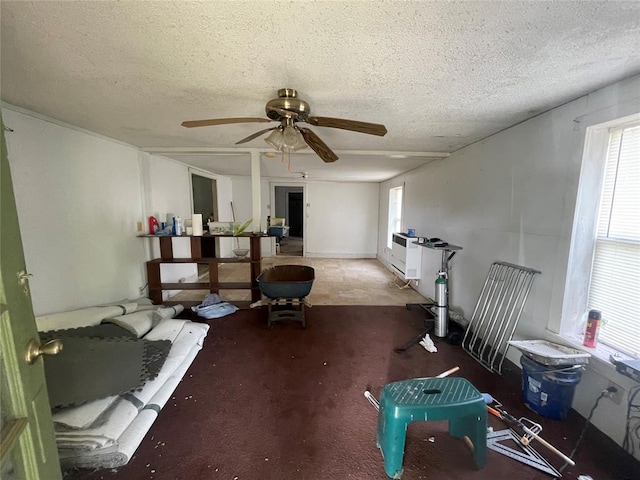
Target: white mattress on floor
[[106, 432]]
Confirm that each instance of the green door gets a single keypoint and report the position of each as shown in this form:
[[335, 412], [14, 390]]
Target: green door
[[27, 448]]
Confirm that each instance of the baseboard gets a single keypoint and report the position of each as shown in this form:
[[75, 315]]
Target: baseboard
[[339, 255]]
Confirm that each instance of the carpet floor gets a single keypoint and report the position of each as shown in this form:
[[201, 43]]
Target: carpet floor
[[288, 403]]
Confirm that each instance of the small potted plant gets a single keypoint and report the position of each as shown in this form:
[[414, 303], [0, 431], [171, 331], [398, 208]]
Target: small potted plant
[[237, 230]]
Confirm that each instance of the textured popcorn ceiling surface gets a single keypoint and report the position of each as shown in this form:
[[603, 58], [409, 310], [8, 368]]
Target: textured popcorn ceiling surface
[[440, 75]]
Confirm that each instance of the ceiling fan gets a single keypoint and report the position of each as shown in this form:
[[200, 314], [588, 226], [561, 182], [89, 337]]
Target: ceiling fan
[[288, 136]]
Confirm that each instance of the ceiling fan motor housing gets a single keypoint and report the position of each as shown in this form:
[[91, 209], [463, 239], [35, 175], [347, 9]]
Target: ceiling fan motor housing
[[287, 100]]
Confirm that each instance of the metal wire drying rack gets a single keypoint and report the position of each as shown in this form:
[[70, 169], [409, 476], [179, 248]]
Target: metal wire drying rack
[[497, 313]]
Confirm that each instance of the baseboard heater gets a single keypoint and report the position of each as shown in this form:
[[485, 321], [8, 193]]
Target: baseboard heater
[[406, 256]]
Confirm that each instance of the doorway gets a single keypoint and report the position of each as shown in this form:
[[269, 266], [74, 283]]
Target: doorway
[[289, 204], [295, 214], [204, 193], [204, 197]]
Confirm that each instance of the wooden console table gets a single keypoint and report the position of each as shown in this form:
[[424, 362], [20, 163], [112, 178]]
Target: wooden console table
[[156, 286]]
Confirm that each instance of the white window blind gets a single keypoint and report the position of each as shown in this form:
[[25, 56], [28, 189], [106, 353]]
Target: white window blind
[[615, 278]]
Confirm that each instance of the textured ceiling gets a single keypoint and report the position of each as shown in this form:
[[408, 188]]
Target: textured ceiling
[[440, 75]]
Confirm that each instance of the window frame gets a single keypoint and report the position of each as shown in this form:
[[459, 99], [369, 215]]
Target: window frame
[[617, 243], [394, 225], [570, 326]]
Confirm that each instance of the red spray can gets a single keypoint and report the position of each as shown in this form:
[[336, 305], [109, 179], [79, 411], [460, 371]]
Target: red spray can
[[153, 226], [591, 332]]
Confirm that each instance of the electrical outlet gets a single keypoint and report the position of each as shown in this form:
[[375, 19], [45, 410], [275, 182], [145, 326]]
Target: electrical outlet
[[615, 397]]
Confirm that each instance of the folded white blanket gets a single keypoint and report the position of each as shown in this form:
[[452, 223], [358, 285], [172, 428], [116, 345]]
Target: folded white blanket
[[85, 415], [82, 416], [170, 312], [119, 453], [138, 323], [112, 423], [82, 318], [119, 416]]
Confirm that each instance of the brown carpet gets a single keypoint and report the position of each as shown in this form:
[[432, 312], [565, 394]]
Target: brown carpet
[[288, 404]]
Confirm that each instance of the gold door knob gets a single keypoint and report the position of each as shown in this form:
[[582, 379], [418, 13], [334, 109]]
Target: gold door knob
[[23, 277], [35, 349]]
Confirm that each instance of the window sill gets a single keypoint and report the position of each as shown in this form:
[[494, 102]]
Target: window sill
[[599, 361]]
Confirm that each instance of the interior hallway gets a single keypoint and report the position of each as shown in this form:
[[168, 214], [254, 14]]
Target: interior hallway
[[291, 246]]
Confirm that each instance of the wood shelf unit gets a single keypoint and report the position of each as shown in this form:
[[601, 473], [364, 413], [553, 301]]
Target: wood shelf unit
[[214, 285]]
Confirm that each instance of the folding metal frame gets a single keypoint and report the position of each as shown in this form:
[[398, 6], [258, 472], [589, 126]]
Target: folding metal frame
[[497, 313]]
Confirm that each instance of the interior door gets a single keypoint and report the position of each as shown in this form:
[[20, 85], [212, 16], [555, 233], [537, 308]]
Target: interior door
[[28, 449]]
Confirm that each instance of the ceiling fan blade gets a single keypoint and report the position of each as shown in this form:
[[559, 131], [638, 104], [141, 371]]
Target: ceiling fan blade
[[222, 121], [255, 135], [354, 125], [318, 146]]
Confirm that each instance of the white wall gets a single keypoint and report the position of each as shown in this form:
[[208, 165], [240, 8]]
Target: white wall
[[242, 203], [342, 219], [168, 191], [511, 197], [168, 194], [80, 198], [225, 197], [78, 201]]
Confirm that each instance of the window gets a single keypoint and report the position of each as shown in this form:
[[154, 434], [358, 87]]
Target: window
[[614, 287], [395, 214]]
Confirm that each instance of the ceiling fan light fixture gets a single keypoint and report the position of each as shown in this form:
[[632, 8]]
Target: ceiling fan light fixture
[[286, 140], [275, 139], [292, 139]]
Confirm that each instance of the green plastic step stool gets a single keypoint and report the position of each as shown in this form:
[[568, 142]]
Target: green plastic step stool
[[425, 399]]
